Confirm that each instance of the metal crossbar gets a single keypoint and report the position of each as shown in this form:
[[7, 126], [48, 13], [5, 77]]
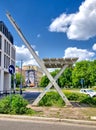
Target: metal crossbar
[[49, 86], [39, 61]]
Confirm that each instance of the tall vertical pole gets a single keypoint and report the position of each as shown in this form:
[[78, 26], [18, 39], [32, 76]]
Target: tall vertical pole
[[21, 79], [14, 83]]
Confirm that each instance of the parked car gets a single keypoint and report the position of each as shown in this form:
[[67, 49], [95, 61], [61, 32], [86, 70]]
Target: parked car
[[89, 92]]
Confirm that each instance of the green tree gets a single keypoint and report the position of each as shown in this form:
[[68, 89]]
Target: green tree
[[44, 80], [18, 79], [92, 71], [81, 71], [66, 78]]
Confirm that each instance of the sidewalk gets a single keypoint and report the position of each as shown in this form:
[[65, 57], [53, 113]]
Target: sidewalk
[[77, 113], [34, 118]]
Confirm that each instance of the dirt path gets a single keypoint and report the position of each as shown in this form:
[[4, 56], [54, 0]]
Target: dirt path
[[65, 112]]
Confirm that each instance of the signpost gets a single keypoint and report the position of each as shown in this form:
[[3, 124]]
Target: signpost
[[82, 82], [11, 70]]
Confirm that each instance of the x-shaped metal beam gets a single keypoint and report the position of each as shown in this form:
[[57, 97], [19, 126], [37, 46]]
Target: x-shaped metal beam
[[39, 61], [49, 86]]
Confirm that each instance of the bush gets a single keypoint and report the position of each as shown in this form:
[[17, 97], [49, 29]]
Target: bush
[[54, 99], [72, 96], [88, 100], [14, 104], [51, 99]]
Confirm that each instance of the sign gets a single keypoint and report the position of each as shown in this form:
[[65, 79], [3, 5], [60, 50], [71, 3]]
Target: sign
[[11, 69], [82, 81]]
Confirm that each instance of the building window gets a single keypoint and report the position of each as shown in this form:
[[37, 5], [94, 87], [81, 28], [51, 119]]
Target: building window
[[6, 61], [0, 58], [5, 46], [12, 53], [9, 49], [0, 41], [5, 31]]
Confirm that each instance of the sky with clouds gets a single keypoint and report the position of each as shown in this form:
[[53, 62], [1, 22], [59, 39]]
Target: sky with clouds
[[54, 28]]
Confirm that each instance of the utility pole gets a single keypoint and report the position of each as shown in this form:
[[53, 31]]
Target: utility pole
[[21, 79], [14, 83]]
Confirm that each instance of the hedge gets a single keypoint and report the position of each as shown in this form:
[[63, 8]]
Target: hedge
[[14, 104], [54, 99]]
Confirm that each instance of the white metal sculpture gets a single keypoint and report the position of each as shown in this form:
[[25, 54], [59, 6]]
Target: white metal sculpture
[[40, 63]]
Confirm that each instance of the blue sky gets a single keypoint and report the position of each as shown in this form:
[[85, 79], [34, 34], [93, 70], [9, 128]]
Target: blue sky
[[55, 28]]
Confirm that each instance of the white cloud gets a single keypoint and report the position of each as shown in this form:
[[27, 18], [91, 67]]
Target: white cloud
[[82, 54], [80, 25], [94, 47], [22, 53], [61, 24]]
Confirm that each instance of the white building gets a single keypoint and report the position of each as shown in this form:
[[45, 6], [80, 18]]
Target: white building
[[7, 57]]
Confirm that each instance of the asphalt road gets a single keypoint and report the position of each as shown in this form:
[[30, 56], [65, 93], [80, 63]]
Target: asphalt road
[[8, 124], [30, 96]]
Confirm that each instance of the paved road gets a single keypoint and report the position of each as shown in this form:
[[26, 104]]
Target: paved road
[[30, 96], [33, 125]]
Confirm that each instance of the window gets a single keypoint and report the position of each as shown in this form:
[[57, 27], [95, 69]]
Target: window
[[9, 49], [12, 53], [5, 46], [0, 41], [0, 58], [6, 61]]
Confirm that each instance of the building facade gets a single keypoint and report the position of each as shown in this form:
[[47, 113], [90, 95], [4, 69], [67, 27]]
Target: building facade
[[7, 57]]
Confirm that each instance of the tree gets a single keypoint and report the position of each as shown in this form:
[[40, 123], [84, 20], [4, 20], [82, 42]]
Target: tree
[[44, 80], [66, 78], [18, 79], [81, 71], [92, 71]]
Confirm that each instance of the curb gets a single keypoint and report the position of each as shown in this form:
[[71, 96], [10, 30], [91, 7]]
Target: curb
[[34, 118], [93, 118]]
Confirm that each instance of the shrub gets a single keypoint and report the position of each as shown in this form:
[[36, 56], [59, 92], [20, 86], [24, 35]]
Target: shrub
[[54, 99], [14, 104], [51, 99], [72, 96], [88, 100]]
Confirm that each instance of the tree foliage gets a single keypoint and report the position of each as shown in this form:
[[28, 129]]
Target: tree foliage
[[85, 70], [18, 79], [15, 104], [44, 81], [65, 79]]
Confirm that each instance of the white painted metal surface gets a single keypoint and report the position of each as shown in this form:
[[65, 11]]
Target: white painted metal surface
[[49, 86], [39, 61]]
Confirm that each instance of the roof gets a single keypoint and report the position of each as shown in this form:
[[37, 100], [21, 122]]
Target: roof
[[58, 62]]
